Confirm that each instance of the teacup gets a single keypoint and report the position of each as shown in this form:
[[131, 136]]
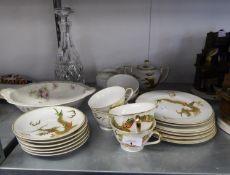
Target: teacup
[[106, 99], [125, 81], [135, 117], [134, 142]]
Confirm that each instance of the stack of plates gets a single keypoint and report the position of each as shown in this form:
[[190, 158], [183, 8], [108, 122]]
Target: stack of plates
[[182, 118], [51, 131]]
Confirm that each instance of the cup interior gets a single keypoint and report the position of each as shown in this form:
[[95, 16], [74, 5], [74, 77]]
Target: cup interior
[[106, 97], [153, 125], [130, 109], [123, 80]]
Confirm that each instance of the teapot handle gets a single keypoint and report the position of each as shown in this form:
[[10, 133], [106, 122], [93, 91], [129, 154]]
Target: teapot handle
[[164, 70]]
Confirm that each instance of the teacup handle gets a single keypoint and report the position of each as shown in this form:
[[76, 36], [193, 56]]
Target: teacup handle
[[128, 94], [164, 73], [157, 141]]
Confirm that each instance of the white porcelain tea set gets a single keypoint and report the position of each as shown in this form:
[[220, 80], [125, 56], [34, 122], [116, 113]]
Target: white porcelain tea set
[[133, 124], [170, 116], [146, 76]]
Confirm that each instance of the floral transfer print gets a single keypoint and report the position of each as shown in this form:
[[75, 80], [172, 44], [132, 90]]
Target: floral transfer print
[[42, 92]]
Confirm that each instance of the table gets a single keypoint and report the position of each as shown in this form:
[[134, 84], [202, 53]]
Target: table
[[102, 154], [8, 113]]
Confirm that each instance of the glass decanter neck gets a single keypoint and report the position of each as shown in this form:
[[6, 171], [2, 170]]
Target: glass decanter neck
[[65, 40]]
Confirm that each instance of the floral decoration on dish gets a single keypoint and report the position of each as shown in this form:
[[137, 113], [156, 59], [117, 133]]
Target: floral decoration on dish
[[42, 92]]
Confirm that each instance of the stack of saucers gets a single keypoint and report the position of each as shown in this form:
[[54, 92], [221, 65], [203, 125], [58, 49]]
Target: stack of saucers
[[182, 118], [51, 131]]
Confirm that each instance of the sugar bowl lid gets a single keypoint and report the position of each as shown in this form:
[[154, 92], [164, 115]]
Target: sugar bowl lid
[[146, 66]]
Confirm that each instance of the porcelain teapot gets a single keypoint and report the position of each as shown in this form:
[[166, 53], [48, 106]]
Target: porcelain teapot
[[150, 76]]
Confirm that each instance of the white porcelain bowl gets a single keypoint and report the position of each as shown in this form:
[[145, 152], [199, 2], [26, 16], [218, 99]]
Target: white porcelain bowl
[[125, 81], [44, 94]]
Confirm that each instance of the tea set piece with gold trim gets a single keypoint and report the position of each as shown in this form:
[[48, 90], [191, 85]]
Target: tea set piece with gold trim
[[178, 107], [206, 122], [59, 148], [190, 141], [125, 81], [56, 142], [106, 99], [187, 138], [67, 150], [51, 131], [135, 117], [186, 130], [135, 141], [181, 116], [150, 76], [133, 125], [189, 134], [50, 93]]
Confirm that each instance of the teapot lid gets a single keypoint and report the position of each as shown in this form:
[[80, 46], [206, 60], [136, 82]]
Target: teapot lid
[[146, 66]]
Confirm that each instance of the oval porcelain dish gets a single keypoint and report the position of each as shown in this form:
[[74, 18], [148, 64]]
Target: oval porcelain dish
[[44, 94]]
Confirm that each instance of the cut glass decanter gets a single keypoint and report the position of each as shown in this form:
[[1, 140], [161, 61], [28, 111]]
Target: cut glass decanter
[[68, 64]]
